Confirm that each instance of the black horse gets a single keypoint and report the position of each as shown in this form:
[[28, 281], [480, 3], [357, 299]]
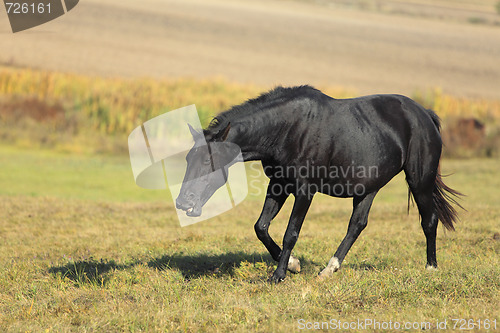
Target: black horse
[[309, 142]]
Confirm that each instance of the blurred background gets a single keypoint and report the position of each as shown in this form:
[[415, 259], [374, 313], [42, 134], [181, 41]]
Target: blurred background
[[82, 82]]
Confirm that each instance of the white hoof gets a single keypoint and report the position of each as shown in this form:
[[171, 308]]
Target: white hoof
[[293, 264], [430, 268], [332, 267]]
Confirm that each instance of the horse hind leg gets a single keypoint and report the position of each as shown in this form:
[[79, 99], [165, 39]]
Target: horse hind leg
[[422, 188], [358, 222], [429, 222]]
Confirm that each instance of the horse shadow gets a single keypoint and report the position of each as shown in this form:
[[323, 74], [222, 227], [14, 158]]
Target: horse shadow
[[88, 271], [200, 265], [191, 266]]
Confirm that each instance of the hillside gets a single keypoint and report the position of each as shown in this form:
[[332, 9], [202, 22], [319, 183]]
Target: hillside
[[399, 47]]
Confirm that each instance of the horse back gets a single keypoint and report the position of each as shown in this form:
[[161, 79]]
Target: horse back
[[368, 133]]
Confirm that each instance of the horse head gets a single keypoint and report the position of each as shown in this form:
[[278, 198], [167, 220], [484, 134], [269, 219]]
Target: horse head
[[208, 162]]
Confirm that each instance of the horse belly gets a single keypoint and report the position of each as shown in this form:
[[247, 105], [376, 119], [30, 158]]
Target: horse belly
[[362, 171]]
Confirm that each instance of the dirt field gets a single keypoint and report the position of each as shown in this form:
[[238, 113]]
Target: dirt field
[[398, 47]]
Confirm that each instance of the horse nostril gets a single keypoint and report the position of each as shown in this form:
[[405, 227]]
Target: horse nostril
[[178, 204], [185, 201]]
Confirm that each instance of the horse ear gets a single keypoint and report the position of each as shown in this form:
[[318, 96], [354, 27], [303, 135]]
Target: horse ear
[[196, 135]]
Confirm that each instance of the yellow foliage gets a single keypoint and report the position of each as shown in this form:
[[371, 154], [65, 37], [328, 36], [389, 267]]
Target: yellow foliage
[[117, 105], [447, 106], [112, 105]]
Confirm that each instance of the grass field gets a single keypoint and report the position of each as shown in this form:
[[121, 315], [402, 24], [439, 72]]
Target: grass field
[[84, 249]]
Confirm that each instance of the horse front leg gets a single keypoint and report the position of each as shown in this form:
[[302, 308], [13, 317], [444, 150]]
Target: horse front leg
[[299, 211], [275, 198]]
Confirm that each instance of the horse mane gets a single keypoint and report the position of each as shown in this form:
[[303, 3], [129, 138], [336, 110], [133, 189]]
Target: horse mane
[[265, 101]]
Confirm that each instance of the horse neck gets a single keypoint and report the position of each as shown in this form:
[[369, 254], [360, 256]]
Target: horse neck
[[254, 139]]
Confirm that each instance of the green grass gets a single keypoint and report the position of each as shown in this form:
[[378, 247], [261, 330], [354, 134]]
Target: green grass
[[82, 248], [44, 173]]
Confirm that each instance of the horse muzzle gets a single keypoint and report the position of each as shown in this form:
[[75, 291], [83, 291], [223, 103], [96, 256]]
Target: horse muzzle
[[191, 209]]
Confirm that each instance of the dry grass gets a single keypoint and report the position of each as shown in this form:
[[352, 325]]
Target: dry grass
[[76, 256]]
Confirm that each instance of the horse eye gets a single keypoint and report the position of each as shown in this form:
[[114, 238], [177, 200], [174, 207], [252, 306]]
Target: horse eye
[[206, 161]]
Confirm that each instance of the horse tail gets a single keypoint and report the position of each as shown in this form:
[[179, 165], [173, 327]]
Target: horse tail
[[435, 119], [443, 196]]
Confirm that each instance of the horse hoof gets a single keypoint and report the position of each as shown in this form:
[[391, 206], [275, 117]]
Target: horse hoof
[[293, 265], [276, 278], [332, 267], [431, 268]]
